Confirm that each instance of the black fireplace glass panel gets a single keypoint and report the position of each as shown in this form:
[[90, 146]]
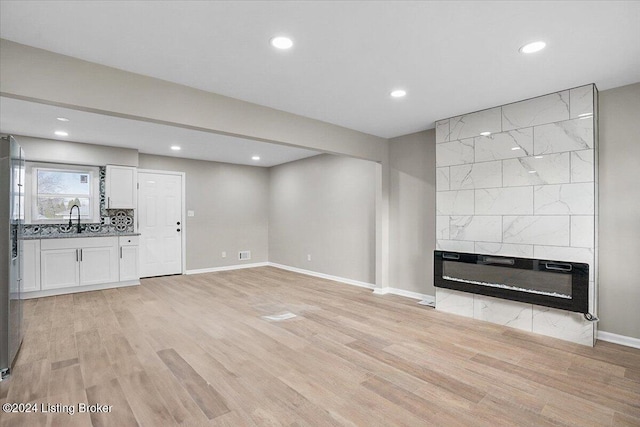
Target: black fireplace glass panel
[[525, 280], [532, 281]]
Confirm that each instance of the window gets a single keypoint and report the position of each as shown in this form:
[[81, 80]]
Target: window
[[56, 188]]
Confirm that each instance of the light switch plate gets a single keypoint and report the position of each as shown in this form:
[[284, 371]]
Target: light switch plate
[[191, 213]]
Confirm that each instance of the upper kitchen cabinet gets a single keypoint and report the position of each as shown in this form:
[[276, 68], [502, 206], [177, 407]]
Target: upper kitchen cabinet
[[120, 187]]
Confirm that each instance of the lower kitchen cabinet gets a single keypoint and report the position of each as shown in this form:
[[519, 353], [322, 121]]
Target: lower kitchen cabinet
[[129, 269], [78, 262], [31, 260], [59, 268], [98, 265], [66, 265]]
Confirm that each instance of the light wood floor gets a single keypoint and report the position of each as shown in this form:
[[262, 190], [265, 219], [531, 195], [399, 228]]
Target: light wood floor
[[195, 350]]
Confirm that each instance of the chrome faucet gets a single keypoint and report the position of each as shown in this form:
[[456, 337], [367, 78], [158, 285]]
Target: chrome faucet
[[70, 212]]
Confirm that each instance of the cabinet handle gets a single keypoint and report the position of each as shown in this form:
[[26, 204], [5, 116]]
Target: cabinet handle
[[120, 251], [108, 202], [77, 257], [80, 255]]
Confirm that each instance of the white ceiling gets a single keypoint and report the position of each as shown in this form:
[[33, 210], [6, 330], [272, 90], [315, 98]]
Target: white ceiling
[[451, 57], [39, 120]]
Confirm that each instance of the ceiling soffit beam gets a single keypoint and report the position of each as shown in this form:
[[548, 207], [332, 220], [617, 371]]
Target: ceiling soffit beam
[[42, 76]]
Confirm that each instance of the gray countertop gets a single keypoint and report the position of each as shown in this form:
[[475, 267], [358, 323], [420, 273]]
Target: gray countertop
[[75, 235]]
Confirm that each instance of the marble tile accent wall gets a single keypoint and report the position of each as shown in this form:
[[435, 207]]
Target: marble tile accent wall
[[527, 190]]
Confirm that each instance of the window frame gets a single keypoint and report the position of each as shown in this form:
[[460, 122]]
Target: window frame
[[31, 195]]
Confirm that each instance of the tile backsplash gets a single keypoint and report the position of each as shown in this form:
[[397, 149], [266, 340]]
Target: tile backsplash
[[528, 189], [111, 220]]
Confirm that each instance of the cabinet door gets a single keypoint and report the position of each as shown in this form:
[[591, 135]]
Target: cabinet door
[[98, 265], [129, 263], [31, 260], [59, 268], [120, 187]]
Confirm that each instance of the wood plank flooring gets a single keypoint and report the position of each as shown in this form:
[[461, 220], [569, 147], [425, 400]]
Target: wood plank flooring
[[195, 351]]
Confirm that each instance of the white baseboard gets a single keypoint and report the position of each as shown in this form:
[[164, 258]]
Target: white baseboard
[[377, 291], [324, 276], [227, 268], [404, 293], [76, 289], [619, 339]]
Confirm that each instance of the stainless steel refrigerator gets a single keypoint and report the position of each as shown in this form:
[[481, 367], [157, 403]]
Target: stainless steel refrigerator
[[11, 268]]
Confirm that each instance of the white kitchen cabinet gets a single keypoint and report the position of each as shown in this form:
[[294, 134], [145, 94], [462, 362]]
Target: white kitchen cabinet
[[120, 187], [59, 268], [129, 264], [31, 261], [78, 262], [98, 265]]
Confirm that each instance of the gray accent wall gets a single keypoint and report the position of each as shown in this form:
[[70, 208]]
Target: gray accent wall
[[324, 206], [619, 223], [412, 211], [230, 203]]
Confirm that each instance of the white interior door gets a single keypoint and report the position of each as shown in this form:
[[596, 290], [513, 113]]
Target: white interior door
[[160, 223]]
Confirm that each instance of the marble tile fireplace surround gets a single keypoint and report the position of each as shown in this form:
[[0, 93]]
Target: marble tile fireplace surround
[[520, 180]]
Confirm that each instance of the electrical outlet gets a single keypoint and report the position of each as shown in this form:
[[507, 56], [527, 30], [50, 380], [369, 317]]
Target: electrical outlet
[[191, 213], [224, 254], [308, 257]]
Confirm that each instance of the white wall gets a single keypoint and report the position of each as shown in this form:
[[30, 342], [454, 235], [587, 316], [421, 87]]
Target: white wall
[[49, 150], [50, 78], [231, 205], [412, 211], [324, 206], [619, 224]]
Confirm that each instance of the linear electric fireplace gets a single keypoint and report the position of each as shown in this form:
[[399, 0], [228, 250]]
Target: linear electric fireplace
[[556, 284]]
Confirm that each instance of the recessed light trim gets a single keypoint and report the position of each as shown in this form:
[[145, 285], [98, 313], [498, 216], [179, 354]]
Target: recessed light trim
[[176, 148], [255, 158], [398, 93], [62, 119], [61, 133], [485, 133], [281, 42], [533, 47]]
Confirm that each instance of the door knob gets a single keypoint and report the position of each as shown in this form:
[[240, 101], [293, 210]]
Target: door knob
[[178, 230], [178, 223]]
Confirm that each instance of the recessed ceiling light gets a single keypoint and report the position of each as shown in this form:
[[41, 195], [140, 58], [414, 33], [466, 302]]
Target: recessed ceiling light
[[515, 148], [533, 47], [281, 42], [175, 148], [256, 158], [485, 133], [538, 157], [62, 119], [398, 93], [61, 133], [532, 171]]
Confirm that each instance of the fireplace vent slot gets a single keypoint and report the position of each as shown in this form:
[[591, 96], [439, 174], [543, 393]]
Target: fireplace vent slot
[[496, 260], [558, 266]]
